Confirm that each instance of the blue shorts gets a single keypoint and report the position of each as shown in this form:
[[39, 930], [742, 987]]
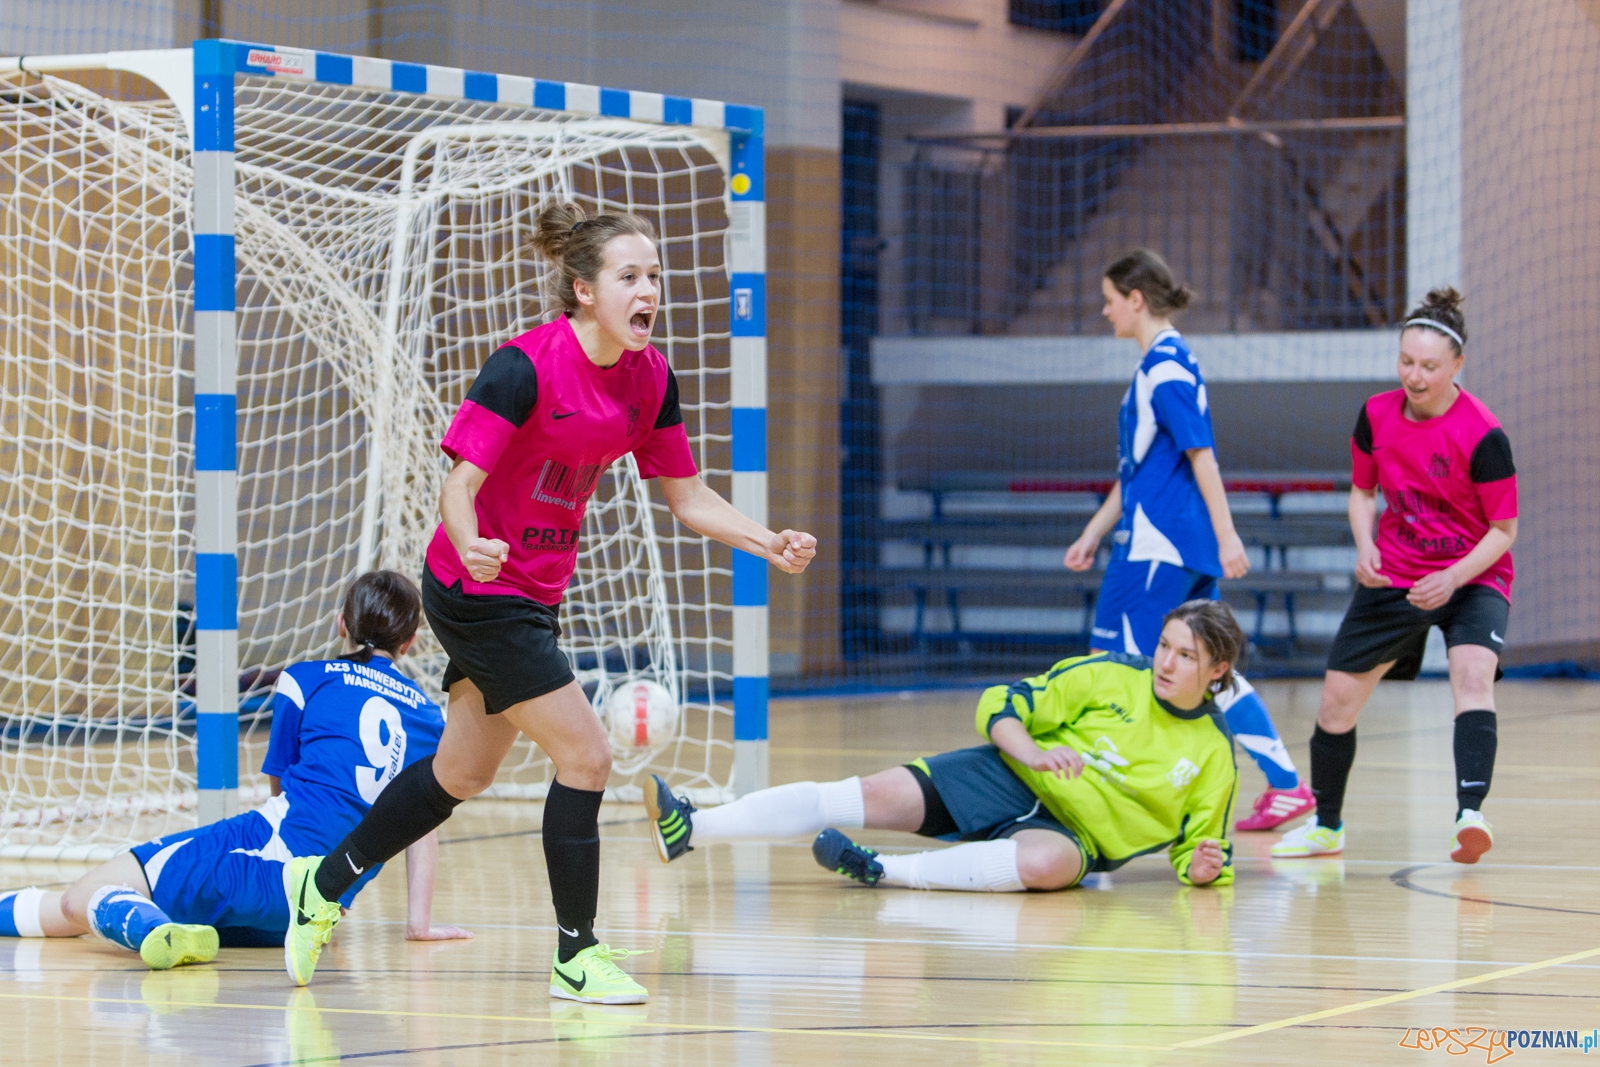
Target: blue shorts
[[987, 802], [1136, 596], [228, 875]]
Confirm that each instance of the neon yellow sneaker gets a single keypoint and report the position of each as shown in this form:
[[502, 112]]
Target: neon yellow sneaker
[[1309, 839], [1474, 837], [592, 977], [175, 944], [311, 919]]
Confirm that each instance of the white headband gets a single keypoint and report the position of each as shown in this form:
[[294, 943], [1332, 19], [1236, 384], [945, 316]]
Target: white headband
[[1441, 327]]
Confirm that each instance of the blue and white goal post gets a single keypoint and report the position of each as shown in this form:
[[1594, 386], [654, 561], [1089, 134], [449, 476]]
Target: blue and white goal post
[[209, 85]]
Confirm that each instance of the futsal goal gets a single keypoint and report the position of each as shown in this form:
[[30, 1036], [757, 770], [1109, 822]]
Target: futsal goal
[[244, 289]]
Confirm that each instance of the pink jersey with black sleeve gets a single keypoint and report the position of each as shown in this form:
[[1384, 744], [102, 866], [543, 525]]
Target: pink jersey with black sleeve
[[1444, 480], [546, 423]]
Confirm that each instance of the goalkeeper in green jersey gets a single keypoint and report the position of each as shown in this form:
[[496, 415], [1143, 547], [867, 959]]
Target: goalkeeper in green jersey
[[1101, 759]]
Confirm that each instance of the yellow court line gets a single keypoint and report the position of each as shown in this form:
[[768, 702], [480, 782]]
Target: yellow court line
[[1393, 998], [689, 1028]]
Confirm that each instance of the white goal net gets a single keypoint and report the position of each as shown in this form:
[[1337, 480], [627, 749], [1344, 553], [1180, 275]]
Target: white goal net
[[378, 243]]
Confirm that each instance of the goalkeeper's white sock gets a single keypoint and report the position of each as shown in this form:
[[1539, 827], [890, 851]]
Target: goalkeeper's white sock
[[792, 810], [976, 867]]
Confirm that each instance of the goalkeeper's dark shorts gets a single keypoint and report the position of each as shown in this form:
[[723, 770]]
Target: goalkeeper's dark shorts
[[971, 795], [1382, 626]]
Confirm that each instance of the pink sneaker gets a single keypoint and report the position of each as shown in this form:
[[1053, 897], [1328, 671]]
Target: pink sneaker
[[1277, 806]]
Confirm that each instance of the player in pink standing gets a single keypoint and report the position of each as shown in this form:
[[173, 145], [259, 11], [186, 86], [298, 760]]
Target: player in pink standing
[[549, 413], [1441, 557]]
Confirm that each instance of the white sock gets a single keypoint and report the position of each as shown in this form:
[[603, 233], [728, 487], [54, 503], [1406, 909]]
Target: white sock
[[791, 810], [976, 867], [19, 913]]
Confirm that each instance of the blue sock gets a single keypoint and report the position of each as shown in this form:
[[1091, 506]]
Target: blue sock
[[1252, 727], [19, 913], [119, 915]]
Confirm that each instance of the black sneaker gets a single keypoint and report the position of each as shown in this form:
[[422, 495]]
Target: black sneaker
[[843, 856], [670, 822]]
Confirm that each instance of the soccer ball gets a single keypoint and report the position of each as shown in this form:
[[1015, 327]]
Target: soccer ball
[[641, 715]]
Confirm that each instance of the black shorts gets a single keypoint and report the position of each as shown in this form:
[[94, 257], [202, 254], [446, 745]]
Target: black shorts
[[504, 645], [979, 799], [1382, 625]]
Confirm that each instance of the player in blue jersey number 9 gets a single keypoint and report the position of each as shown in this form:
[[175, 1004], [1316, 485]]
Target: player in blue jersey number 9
[[341, 730]]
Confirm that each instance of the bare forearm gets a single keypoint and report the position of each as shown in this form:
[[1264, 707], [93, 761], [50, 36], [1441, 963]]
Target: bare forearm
[[1208, 476], [460, 514], [1495, 543], [707, 514], [1012, 738], [1363, 513], [1105, 519], [422, 865]]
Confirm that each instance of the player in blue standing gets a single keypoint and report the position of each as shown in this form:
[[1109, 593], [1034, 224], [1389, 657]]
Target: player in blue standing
[[341, 730], [1174, 533]]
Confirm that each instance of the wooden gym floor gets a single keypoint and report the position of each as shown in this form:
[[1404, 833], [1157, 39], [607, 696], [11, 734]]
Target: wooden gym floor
[[758, 957]]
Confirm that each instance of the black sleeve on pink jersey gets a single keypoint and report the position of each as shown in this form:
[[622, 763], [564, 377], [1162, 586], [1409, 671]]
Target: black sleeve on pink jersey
[[671, 414], [507, 385], [1362, 435], [1491, 460]]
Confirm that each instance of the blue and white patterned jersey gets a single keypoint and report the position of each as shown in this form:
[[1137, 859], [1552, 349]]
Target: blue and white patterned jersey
[[341, 731], [1164, 413]]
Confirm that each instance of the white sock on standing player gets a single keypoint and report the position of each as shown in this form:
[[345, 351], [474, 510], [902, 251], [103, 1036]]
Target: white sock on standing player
[[792, 810], [976, 867]]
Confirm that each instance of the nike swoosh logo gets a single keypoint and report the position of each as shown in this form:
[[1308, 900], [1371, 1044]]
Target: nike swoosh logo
[[1469, 785], [563, 929], [300, 916], [568, 978], [358, 870], [562, 415], [1496, 638]]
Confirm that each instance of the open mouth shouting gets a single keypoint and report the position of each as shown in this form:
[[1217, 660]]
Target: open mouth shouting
[[641, 323]]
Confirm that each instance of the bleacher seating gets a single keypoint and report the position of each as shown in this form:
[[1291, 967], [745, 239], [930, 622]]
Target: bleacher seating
[[1033, 512]]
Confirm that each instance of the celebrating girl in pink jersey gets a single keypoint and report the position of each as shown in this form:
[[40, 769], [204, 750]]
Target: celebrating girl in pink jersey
[[550, 411], [1441, 557]]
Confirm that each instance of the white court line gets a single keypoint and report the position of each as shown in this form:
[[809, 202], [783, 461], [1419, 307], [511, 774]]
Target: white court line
[[1237, 858], [1434, 864], [997, 946]]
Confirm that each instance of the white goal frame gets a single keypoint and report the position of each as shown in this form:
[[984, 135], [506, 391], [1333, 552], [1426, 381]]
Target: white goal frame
[[200, 82]]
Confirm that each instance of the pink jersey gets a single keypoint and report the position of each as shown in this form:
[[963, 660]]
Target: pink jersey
[[546, 423], [1443, 479]]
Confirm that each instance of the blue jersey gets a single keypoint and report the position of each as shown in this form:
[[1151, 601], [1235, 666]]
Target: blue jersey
[[341, 731], [1164, 413]]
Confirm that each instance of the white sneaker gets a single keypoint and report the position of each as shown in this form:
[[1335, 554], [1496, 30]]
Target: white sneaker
[[1309, 839]]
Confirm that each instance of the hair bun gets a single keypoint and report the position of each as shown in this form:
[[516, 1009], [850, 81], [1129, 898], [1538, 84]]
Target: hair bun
[[554, 229], [1444, 299], [1442, 306], [1144, 269]]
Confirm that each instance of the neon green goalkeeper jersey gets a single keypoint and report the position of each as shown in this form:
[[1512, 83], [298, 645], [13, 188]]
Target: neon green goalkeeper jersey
[[1155, 776]]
